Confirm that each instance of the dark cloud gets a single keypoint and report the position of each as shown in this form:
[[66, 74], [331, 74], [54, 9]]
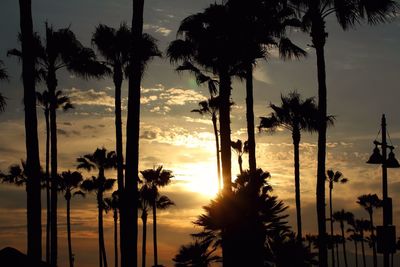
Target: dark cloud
[[87, 126]]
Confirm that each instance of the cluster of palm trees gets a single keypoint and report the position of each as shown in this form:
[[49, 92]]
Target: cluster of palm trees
[[72, 183], [220, 43]]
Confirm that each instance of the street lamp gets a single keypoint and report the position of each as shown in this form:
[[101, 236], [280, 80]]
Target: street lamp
[[386, 234]]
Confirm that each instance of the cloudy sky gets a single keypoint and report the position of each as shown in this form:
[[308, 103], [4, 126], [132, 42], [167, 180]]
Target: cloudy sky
[[362, 76]]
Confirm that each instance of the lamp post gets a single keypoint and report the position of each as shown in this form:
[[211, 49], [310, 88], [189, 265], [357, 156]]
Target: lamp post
[[386, 234]]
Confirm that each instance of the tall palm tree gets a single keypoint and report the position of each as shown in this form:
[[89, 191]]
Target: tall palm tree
[[114, 45], [100, 160], [333, 177], [369, 203], [240, 148], [61, 50], [210, 107], [197, 254], [342, 217], [348, 13], [3, 76], [296, 115], [362, 226], [155, 178], [69, 184], [260, 25], [34, 226], [130, 196], [206, 41], [64, 103], [112, 203]]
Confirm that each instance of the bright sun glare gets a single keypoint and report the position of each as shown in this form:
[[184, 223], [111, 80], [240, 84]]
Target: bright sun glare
[[200, 178]]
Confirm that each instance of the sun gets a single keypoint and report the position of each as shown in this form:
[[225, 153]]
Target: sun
[[200, 177]]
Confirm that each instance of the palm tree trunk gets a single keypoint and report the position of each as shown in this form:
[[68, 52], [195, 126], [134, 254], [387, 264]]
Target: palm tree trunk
[[240, 162], [48, 208], [144, 241], [71, 259], [356, 252], [214, 121], [318, 35], [118, 78], [296, 142], [34, 227], [51, 85], [102, 248], [155, 233], [225, 129], [371, 217], [331, 222], [337, 254], [115, 238], [129, 229], [250, 118], [99, 226], [363, 249], [344, 244]]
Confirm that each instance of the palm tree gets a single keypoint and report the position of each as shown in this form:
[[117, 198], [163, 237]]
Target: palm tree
[[343, 216], [64, 103], [333, 177], [197, 254], [3, 76], [246, 222], [113, 45], [69, 183], [130, 196], [34, 226], [296, 115], [155, 178], [61, 50], [100, 160], [210, 107], [207, 39], [369, 203], [355, 236], [348, 13], [260, 26], [240, 148], [112, 203], [362, 226]]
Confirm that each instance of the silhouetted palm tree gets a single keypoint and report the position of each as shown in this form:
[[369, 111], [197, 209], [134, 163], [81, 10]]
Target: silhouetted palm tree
[[362, 226], [69, 183], [355, 237], [112, 203], [146, 195], [260, 26], [207, 42], [240, 148], [348, 13], [342, 217], [155, 178], [296, 115], [61, 50], [211, 106], [3, 76], [197, 254], [369, 203], [130, 196], [333, 177], [15, 175], [114, 46], [245, 222], [34, 227], [64, 103], [100, 160]]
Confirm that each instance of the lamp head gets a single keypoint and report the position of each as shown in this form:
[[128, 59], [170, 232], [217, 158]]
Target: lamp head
[[376, 157], [391, 161]]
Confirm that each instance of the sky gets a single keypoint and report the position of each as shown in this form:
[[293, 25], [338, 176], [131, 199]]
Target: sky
[[362, 78]]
